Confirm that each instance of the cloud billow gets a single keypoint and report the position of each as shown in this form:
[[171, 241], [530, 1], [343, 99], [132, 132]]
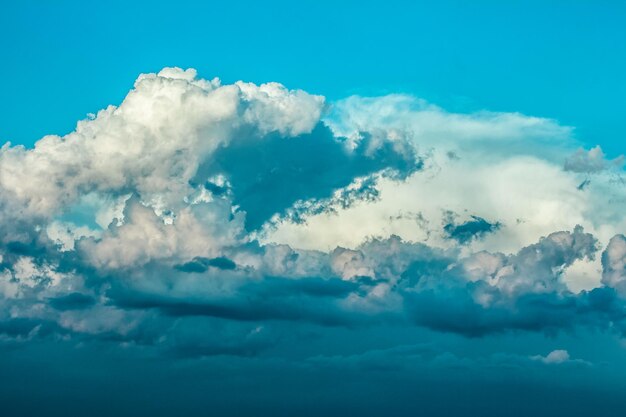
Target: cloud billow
[[168, 211]]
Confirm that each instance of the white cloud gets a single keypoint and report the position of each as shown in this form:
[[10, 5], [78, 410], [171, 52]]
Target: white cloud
[[144, 207], [502, 167], [431, 126], [199, 230], [153, 142], [554, 357]]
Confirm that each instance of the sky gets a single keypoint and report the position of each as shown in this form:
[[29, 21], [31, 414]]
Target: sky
[[558, 59], [312, 208]]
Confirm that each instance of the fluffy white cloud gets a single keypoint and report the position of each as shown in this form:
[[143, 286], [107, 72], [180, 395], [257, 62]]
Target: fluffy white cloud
[[505, 168], [153, 142], [241, 203], [199, 230]]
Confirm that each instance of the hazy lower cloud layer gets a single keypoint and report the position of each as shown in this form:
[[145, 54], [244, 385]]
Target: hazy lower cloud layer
[[199, 220]]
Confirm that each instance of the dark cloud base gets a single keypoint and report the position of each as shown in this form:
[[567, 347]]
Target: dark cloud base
[[56, 379]]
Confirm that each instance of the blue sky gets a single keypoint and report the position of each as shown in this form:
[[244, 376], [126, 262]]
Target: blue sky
[[559, 59], [400, 204]]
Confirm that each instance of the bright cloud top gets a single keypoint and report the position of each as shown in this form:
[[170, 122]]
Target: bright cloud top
[[260, 206]]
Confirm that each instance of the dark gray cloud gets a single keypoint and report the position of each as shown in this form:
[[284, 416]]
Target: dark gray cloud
[[384, 280], [313, 300], [465, 232], [72, 301], [200, 264], [307, 167], [592, 161]]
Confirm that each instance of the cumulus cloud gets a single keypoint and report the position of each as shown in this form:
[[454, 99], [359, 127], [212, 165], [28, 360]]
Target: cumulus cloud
[[554, 357], [504, 168], [247, 209], [153, 142], [614, 264], [591, 161], [560, 357]]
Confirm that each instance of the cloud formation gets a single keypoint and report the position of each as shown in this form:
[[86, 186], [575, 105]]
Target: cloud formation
[[248, 209]]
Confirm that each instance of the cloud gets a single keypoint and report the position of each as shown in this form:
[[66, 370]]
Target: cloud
[[328, 165], [556, 356], [72, 301], [430, 124], [475, 228], [559, 357], [507, 169], [591, 161], [261, 212], [153, 142], [199, 264], [199, 230], [614, 264]]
